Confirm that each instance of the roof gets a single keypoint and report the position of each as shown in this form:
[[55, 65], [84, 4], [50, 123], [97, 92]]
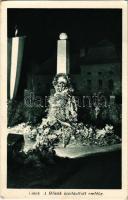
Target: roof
[[103, 52]]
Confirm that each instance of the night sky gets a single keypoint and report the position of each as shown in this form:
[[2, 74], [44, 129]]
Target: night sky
[[85, 27]]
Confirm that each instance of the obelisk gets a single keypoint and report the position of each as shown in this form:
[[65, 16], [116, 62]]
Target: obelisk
[[63, 54]]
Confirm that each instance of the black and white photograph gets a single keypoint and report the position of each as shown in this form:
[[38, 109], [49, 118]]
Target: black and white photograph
[[64, 100]]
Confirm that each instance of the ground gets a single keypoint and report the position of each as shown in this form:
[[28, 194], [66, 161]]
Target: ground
[[77, 151], [93, 168]]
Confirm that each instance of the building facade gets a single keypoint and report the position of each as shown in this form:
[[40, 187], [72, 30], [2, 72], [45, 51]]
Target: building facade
[[99, 70]]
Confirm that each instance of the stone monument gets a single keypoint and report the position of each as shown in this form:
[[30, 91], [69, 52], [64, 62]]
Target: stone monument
[[63, 54]]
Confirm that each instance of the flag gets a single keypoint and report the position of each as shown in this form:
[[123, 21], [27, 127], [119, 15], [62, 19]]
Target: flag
[[15, 58]]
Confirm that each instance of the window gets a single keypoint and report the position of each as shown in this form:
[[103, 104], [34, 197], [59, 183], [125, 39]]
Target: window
[[100, 84], [99, 73], [89, 84], [110, 84], [82, 52], [110, 72]]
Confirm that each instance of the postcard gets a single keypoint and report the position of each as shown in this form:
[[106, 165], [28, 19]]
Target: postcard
[[64, 100]]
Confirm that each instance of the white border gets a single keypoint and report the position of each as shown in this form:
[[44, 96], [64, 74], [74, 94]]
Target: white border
[[22, 193]]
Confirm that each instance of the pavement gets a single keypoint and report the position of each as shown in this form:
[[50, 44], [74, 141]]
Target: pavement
[[76, 151]]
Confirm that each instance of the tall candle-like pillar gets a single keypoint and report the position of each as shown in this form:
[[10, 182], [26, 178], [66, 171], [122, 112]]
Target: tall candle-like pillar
[[63, 54]]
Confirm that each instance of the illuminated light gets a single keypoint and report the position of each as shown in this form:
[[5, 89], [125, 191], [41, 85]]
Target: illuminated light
[[63, 36]]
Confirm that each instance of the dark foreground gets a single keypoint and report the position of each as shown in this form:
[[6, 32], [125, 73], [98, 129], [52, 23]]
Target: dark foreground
[[101, 171]]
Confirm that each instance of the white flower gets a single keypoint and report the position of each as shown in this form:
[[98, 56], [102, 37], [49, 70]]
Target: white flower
[[46, 131], [52, 136], [58, 132], [41, 142], [38, 138], [34, 131], [44, 122], [36, 145], [109, 128], [51, 119], [100, 133], [90, 132], [26, 149], [27, 129], [40, 130]]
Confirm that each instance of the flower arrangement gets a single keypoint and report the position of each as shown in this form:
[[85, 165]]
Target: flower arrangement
[[61, 124]]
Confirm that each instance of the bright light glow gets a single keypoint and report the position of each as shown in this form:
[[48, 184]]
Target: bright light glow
[[63, 36]]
